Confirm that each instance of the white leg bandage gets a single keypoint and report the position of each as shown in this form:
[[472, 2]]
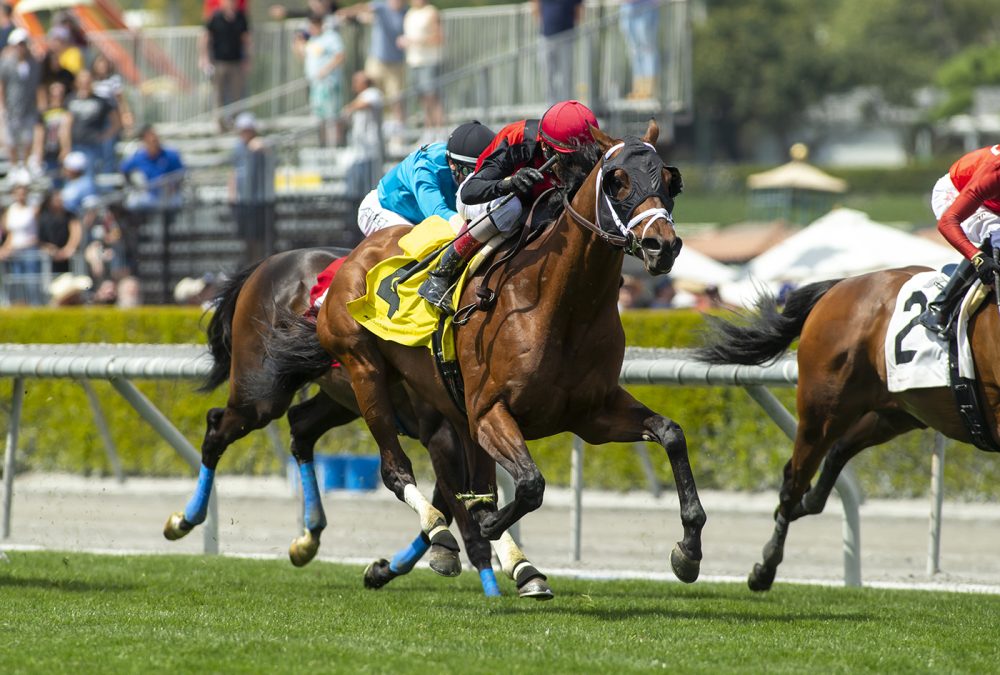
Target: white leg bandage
[[510, 555], [431, 520]]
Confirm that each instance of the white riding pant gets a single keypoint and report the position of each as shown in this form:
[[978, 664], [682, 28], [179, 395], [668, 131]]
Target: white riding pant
[[981, 225], [502, 217], [372, 216]]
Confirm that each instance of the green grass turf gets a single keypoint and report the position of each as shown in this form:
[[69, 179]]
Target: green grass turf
[[69, 612]]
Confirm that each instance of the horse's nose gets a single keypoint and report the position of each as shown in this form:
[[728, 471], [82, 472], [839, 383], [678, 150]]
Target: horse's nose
[[658, 254]]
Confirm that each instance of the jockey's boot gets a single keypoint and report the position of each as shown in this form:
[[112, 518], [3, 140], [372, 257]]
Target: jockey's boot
[[938, 311], [437, 288]]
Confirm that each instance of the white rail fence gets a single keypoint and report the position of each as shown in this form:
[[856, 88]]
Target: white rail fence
[[120, 364]]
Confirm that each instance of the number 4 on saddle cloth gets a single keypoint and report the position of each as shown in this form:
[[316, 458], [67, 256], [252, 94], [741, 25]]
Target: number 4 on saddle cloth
[[393, 310], [917, 358]]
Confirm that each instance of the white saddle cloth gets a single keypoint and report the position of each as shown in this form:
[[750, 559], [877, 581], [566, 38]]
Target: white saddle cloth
[[916, 358]]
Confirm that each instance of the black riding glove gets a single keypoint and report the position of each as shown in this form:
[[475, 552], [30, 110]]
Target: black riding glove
[[522, 181], [986, 268]]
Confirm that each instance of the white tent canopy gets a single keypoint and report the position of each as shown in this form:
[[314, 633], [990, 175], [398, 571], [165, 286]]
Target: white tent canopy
[[843, 243], [693, 266]]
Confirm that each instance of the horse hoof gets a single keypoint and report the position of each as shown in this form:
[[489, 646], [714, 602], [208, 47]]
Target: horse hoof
[[176, 527], [445, 561], [536, 588], [378, 574], [303, 549], [490, 526], [685, 568], [760, 579]]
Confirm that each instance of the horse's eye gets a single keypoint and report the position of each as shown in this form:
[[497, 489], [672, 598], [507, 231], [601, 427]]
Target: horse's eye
[[616, 184]]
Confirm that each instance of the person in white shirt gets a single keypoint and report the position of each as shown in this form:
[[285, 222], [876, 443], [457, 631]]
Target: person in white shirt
[[19, 224]]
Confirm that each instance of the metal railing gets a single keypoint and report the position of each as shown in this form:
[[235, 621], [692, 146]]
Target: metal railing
[[496, 78]]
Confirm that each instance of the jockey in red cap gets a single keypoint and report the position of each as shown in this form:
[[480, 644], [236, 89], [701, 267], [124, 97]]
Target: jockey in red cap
[[966, 202], [509, 166]]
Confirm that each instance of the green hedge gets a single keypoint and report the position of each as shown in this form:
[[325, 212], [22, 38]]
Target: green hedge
[[733, 444]]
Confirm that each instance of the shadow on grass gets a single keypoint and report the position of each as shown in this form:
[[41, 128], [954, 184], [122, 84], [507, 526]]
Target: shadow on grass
[[70, 585]]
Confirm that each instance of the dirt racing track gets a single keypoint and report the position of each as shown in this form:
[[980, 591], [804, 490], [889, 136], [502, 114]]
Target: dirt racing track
[[626, 535]]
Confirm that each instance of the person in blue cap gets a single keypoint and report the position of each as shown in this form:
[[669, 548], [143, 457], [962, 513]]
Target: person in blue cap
[[425, 182]]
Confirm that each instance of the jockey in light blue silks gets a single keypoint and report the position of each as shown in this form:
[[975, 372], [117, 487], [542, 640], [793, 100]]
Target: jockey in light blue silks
[[424, 184]]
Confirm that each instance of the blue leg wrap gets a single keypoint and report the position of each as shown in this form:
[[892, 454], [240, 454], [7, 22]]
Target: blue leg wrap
[[314, 516], [197, 507], [489, 579], [404, 561]]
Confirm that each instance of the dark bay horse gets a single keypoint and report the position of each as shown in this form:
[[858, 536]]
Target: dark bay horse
[[843, 402], [544, 360], [246, 308]]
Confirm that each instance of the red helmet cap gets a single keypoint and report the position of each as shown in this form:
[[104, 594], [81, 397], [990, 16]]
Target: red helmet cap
[[564, 126]]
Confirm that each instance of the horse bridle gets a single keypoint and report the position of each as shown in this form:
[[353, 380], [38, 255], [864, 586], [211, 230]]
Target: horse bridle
[[621, 210]]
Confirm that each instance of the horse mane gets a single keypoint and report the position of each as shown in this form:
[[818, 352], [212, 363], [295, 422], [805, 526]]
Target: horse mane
[[577, 167], [220, 327], [761, 336]]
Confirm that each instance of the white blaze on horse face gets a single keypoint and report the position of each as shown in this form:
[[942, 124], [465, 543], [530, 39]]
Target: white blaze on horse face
[[509, 554], [431, 520]]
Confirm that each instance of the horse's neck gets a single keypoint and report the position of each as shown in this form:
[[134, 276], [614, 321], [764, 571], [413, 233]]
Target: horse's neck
[[589, 267]]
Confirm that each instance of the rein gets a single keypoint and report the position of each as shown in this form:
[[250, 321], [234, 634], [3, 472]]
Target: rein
[[486, 297]]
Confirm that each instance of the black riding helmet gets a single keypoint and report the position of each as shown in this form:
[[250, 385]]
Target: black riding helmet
[[465, 145]]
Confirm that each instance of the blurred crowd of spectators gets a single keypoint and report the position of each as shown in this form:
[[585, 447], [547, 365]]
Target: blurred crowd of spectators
[[69, 235]]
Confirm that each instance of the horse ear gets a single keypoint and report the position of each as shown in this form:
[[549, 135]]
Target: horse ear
[[601, 138], [652, 132]]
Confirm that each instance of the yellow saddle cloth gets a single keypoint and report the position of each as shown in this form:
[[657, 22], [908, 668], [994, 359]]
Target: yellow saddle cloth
[[395, 312]]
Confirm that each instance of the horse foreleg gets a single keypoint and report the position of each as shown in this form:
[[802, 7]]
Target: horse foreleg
[[627, 420], [372, 393], [498, 434], [872, 429], [224, 426], [382, 571], [309, 421]]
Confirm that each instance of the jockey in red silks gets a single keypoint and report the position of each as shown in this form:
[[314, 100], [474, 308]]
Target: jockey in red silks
[[509, 166], [966, 202]]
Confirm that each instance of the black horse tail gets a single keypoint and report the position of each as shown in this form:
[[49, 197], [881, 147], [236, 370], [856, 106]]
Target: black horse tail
[[220, 328], [767, 334], [293, 357]]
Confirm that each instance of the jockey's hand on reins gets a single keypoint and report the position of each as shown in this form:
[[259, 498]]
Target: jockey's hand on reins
[[522, 181], [986, 268]]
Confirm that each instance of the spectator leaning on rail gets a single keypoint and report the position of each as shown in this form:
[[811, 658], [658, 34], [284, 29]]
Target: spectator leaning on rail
[[966, 202], [509, 166], [425, 182], [158, 170], [20, 75]]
